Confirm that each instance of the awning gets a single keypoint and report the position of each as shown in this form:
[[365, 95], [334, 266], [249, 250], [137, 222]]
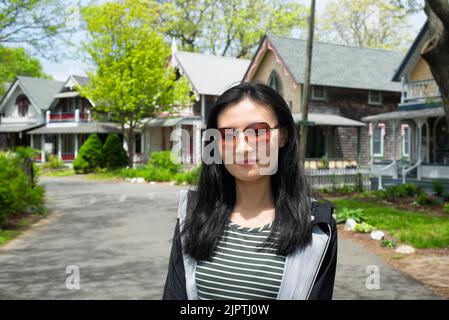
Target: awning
[[4, 128], [162, 122], [412, 114], [68, 94], [80, 127], [322, 119]]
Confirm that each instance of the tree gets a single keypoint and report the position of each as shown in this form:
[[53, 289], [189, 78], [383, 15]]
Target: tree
[[132, 79], [37, 23], [90, 156], [306, 95], [367, 23], [231, 27], [114, 155], [436, 50], [16, 61]]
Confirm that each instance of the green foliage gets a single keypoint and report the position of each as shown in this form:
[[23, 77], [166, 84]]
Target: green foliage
[[114, 155], [446, 207], [188, 177], [347, 189], [426, 199], [380, 24], [363, 227], [160, 160], [345, 214], [438, 188], [388, 244], [53, 162], [397, 191], [17, 193], [89, 158], [17, 62], [421, 230]]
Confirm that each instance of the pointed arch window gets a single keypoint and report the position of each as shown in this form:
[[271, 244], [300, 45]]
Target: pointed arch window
[[275, 82], [22, 104]]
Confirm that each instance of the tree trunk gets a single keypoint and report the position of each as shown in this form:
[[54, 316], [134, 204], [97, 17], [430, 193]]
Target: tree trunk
[[306, 89], [436, 50], [130, 141]]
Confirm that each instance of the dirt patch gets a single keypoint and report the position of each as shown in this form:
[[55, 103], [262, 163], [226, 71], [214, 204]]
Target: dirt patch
[[428, 266]]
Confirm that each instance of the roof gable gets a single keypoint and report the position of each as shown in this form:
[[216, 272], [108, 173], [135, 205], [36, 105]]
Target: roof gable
[[41, 91], [337, 65]]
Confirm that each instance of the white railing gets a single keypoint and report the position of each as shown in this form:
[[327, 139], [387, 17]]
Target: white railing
[[380, 171], [419, 90], [18, 119], [434, 171], [317, 163], [337, 178], [405, 171]]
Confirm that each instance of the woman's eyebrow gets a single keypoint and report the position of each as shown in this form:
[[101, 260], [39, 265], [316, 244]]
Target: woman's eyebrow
[[224, 127]]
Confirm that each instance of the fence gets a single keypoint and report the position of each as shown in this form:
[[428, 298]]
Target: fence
[[337, 178]]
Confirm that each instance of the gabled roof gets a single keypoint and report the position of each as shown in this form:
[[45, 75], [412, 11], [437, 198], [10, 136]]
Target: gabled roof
[[82, 80], [39, 91], [413, 52], [208, 74], [338, 65]]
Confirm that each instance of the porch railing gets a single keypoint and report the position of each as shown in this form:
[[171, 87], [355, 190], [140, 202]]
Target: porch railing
[[419, 90], [337, 178]]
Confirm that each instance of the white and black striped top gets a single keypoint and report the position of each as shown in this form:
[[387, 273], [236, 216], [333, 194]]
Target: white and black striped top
[[240, 268]]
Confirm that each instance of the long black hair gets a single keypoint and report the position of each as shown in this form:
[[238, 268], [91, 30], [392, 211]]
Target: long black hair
[[216, 193]]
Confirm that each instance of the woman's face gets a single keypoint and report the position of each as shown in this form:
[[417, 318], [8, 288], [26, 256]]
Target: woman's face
[[244, 114]]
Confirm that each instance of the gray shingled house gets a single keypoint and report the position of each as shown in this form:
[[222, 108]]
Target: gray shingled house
[[412, 142], [348, 83]]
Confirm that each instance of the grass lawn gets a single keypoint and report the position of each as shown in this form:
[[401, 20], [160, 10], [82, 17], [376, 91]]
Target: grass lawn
[[18, 227], [417, 229], [58, 173]]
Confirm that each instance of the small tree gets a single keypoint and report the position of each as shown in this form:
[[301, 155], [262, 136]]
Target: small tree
[[114, 155], [90, 155]]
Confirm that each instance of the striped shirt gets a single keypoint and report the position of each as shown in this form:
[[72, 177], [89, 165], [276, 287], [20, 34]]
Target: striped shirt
[[239, 268]]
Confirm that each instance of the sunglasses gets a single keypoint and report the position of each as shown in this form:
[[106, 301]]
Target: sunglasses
[[255, 133]]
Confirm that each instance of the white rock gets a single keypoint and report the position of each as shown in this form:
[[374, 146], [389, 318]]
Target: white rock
[[140, 180], [350, 225], [152, 182], [405, 249], [377, 235]]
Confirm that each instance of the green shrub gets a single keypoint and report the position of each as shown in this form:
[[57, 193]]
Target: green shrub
[[53, 163], [17, 193], [347, 189], [161, 160], [89, 158], [363, 227], [189, 177], [402, 191], [345, 214], [114, 155], [438, 188], [426, 199], [388, 243]]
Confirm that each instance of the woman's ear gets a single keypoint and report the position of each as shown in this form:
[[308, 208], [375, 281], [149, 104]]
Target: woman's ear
[[283, 137]]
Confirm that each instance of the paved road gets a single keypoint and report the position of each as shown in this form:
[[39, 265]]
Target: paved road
[[118, 235]]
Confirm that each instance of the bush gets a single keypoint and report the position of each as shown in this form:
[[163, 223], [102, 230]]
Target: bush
[[18, 193], [89, 158], [402, 191], [114, 155], [363, 227], [345, 214], [425, 199], [438, 188], [189, 177], [161, 160], [53, 163], [446, 207]]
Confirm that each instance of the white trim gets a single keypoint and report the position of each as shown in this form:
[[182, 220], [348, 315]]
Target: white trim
[[376, 103], [382, 138], [314, 97], [406, 135]]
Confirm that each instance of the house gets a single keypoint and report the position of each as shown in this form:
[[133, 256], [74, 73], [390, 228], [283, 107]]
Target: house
[[50, 116], [208, 77], [23, 108], [347, 83], [412, 143]]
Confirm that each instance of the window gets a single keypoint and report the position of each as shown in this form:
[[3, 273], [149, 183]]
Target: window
[[22, 104], [275, 82], [377, 146], [318, 93], [374, 97], [405, 133]]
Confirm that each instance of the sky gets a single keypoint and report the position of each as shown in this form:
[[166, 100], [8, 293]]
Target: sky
[[62, 69]]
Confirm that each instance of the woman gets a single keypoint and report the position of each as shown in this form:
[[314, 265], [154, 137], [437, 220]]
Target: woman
[[243, 234]]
